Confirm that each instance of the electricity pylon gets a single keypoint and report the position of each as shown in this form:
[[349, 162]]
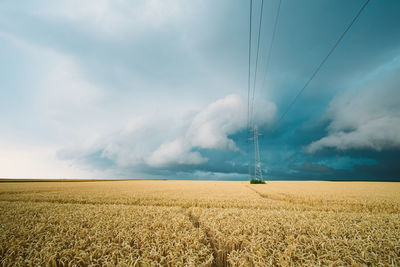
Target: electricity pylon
[[257, 161]]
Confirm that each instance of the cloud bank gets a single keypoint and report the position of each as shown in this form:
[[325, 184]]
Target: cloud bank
[[367, 118], [210, 129], [163, 142]]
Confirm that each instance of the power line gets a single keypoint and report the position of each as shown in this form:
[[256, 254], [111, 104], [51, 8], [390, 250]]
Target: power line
[[272, 42], [323, 61], [248, 86], [248, 80], [255, 74]]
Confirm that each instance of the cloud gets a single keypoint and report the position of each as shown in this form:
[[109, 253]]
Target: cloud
[[175, 153], [135, 143], [378, 134], [367, 118], [72, 106], [124, 147], [161, 142], [210, 129]]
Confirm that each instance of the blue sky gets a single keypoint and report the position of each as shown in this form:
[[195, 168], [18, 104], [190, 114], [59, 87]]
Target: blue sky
[[158, 89]]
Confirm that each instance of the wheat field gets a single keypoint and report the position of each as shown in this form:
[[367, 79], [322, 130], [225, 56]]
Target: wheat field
[[199, 223]]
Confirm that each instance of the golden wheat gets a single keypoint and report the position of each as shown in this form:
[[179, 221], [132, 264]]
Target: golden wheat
[[187, 223], [67, 234]]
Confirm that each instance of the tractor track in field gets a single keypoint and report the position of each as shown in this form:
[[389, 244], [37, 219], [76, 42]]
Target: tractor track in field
[[220, 257]]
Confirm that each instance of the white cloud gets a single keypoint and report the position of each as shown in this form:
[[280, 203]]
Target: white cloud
[[368, 118], [159, 140], [377, 134], [210, 129], [136, 141], [176, 152]]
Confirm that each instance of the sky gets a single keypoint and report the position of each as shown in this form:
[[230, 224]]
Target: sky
[[157, 89]]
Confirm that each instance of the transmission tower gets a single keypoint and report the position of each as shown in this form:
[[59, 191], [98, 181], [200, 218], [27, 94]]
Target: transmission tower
[[257, 161]]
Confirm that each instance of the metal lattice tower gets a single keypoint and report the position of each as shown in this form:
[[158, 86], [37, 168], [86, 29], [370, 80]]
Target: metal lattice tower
[[257, 161]]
